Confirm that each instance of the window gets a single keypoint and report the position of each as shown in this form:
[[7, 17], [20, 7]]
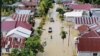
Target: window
[[94, 54]]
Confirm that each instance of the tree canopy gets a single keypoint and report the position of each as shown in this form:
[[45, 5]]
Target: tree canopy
[[44, 6], [91, 1], [32, 47]]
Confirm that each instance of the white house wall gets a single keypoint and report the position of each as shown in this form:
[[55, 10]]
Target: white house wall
[[88, 53]]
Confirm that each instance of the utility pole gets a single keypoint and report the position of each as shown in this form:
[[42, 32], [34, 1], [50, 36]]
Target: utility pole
[[69, 35]]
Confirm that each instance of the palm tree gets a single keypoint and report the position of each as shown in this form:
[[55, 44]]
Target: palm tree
[[63, 34]]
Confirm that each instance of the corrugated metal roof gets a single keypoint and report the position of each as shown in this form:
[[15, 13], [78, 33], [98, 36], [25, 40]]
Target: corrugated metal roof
[[9, 25], [90, 34], [89, 44], [81, 6], [83, 28], [21, 17], [86, 20]]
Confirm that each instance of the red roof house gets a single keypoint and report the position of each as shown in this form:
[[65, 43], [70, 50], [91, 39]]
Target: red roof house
[[81, 6], [88, 43], [83, 28], [90, 34], [7, 26], [91, 44]]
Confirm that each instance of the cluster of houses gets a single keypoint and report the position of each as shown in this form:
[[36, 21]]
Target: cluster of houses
[[86, 18], [16, 27]]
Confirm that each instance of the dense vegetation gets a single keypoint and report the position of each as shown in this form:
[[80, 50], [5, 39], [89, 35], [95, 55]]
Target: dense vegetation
[[44, 6], [9, 1], [32, 47], [91, 1], [7, 10], [61, 12], [32, 44]]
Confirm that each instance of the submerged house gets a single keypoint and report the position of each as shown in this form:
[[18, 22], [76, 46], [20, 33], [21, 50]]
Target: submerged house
[[14, 35], [88, 41]]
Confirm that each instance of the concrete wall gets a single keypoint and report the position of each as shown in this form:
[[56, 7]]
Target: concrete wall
[[88, 53]]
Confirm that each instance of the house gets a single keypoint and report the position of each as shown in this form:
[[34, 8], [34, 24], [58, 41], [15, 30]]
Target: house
[[88, 40], [80, 6], [83, 28], [9, 25], [79, 16], [66, 3], [86, 20], [18, 4], [22, 15], [31, 3], [69, 16], [83, 20], [14, 34], [95, 12], [86, 28], [84, 7], [8, 18], [88, 44]]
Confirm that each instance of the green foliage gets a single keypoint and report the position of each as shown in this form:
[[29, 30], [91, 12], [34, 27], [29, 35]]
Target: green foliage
[[91, 1], [9, 1], [22, 52], [59, 1], [32, 47], [61, 17], [6, 11], [31, 21], [39, 31], [34, 44], [44, 6], [97, 2], [85, 1], [15, 52], [63, 34], [60, 10]]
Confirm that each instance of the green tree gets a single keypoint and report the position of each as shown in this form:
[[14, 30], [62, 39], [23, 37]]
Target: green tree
[[15, 52], [97, 2], [44, 6], [90, 1], [63, 34], [34, 44], [60, 10], [32, 47], [22, 52]]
